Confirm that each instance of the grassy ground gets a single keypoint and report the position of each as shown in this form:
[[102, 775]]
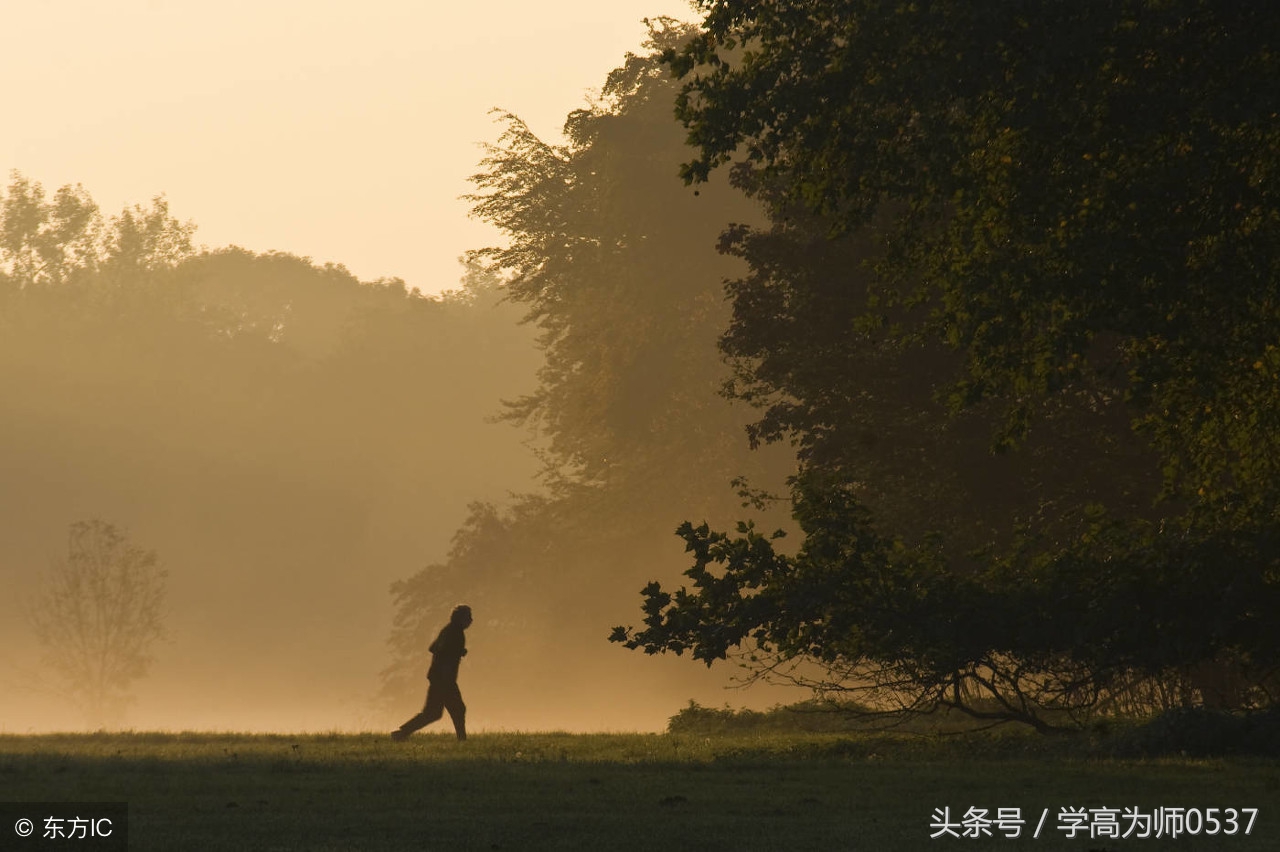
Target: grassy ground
[[624, 791]]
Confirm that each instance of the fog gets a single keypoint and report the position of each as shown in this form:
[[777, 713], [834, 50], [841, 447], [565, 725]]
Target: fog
[[324, 466], [282, 489], [287, 462], [319, 465]]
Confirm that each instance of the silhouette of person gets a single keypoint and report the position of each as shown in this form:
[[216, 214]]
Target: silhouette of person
[[442, 679]]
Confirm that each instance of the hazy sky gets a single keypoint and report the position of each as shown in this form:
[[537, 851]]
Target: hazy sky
[[340, 130]]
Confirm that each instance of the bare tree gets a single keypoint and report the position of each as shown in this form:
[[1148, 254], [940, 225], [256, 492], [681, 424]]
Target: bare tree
[[98, 617]]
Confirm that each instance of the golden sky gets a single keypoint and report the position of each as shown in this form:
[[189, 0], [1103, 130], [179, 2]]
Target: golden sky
[[339, 130]]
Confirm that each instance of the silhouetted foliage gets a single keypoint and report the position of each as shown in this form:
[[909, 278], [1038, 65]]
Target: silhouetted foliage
[[614, 262], [1060, 225], [60, 242]]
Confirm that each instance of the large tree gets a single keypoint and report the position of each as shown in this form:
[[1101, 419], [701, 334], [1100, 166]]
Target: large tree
[[615, 263], [1068, 217]]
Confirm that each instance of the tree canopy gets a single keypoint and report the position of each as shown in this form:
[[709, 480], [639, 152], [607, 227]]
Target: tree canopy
[[1060, 225]]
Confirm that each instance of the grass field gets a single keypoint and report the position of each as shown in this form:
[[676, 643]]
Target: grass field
[[614, 791]]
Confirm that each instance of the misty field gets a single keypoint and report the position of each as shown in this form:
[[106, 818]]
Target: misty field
[[612, 791]]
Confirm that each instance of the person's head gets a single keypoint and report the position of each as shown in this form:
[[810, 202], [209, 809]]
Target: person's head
[[461, 616]]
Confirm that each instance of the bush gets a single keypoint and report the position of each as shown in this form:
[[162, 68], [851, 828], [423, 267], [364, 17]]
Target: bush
[[1200, 732]]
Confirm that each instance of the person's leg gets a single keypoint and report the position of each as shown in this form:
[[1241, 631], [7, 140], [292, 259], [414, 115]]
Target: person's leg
[[457, 711], [432, 710]]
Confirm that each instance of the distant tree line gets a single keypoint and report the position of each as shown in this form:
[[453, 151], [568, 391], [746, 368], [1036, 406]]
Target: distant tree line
[[289, 437]]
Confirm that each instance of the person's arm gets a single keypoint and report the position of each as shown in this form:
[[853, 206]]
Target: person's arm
[[449, 644]]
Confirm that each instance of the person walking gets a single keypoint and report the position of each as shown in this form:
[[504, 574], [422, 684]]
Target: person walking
[[442, 679]]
